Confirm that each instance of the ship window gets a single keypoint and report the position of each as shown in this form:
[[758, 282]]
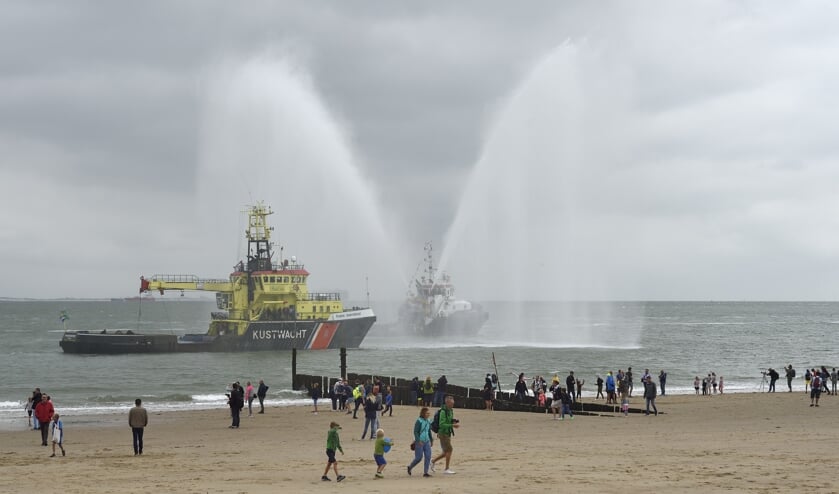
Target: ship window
[[285, 279], [271, 279], [265, 279]]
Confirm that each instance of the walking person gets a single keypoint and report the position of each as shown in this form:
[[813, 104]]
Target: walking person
[[44, 412], [445, 432], [422, 442], [138, 419], [379, 452], [333, 443], [57, 435], [649, 395], [260, 394]]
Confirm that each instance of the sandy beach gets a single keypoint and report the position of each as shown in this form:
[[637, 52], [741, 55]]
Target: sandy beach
[[738, 442]]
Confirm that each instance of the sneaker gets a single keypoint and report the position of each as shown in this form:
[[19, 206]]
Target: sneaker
[[449, 471], [426, 475], [52, 455], [432, 467], [409, 469], [341, 477], [63, 453], [379, 475], [326, 479]]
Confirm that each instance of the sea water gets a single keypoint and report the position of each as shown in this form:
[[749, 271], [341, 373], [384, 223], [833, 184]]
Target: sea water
[[737, 340]]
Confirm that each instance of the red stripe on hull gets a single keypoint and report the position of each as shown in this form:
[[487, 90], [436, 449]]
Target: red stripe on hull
[[324, 336]]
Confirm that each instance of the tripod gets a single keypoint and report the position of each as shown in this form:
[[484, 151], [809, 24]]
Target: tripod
[[762, 381]]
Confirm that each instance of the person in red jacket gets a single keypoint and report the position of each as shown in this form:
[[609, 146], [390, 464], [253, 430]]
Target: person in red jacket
[[44, 412]]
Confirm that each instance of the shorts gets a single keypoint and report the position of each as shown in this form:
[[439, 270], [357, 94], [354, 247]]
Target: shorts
[[380, 460], [815, 392], [330, 454], [446, 443]]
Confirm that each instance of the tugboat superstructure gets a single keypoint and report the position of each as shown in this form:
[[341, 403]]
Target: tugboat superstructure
[[431, 308]]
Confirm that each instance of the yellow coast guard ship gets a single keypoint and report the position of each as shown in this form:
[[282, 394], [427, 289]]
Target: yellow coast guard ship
[[262, 306]]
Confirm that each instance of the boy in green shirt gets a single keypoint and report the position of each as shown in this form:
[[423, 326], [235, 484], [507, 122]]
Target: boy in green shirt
[[379, 452], [333, 442]]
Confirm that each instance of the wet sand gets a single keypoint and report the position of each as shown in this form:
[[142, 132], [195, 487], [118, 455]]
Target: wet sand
[[739, 442]]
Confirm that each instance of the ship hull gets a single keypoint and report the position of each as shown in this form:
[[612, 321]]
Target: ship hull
[[345, 330], [456, 325]]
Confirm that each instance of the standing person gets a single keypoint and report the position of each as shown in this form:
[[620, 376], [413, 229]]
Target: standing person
[[566, 400], [815, 389], [610, 389], [28, 408], [579, 389], [379, 453], [44, 412], [388, 403], [333, 443], [334, 394], [599, 383], [57, 435], [696, 385], [422, 440], [487, 396], [790, 372], [833, 378], [237, 403], [807, 378], [649, 395], [138, 419], [251, 394], [371, 408], [261, 392], [445, 432], [714, 381], [442, 384], [721, 385], [521, 388], [662, 379], [570, 385], [629, 380], [315, 396], [36, 398], [428, 390]]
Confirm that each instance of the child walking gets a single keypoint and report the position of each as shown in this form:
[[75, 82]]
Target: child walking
[[57, 435], [333, 442], [379, 453]]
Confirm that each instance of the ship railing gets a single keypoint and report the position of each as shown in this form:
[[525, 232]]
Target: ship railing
[[320, 297]]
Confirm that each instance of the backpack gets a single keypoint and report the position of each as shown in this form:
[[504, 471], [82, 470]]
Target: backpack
[[817, 382], [435, 424], [792, 372]]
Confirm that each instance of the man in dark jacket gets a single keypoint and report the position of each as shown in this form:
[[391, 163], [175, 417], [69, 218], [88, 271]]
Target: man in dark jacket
[[236, 402], [260, 393], [570, 382], [440, 392]]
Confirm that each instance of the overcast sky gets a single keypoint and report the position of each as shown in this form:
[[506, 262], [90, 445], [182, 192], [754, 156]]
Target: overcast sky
[[556, 150]]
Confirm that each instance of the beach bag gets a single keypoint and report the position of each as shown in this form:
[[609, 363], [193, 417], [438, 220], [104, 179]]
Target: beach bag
[[435, 424]]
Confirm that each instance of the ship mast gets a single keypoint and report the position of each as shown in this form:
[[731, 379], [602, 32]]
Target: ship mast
[[259, 238]]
